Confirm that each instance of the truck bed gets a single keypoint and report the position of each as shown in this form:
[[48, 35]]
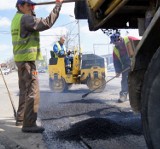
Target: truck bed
[[111, 14]]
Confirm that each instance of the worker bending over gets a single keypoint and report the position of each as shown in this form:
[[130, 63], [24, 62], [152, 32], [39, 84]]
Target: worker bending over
[[122, 53]]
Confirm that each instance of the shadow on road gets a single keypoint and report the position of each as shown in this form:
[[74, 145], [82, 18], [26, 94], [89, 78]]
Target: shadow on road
[[113, 125], [85, 101]]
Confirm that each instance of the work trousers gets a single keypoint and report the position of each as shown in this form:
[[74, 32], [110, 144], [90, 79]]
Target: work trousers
[[124, 83], [29, 93]]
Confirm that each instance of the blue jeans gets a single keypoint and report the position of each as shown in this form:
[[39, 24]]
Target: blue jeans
[[68, 60], [124, 83]]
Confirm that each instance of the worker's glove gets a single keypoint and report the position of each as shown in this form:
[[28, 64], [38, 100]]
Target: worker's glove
[[59, 1]]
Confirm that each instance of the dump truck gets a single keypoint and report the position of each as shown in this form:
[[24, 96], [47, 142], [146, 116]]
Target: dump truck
[[144, 78]]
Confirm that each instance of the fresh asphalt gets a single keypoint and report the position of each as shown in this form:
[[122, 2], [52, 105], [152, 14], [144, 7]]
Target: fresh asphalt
[[95, 122]]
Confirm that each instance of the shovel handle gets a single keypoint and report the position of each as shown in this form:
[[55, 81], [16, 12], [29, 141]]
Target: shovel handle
[[53, 2], [9, 94], [83, 96]]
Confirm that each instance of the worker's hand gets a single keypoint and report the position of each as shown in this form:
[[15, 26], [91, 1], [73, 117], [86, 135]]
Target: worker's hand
[[117, 75], [59, 1]]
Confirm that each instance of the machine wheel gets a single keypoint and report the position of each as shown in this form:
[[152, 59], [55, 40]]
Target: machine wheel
[[97, 84], [151, 103], [69, 85], [58, 85]]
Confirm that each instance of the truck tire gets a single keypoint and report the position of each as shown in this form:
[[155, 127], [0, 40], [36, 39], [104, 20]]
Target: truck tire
[[151, 103]]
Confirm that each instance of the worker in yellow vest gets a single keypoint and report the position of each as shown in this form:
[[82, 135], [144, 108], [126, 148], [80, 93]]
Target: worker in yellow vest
[[61, 51], [25, 30], [59, 47], [122, 54]]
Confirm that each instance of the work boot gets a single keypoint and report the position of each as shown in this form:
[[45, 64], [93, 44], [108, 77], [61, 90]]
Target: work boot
[[33, 129], [19, 122], [122, 98]]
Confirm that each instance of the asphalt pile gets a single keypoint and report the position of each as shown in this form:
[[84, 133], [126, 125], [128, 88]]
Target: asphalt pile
[[113, 125]]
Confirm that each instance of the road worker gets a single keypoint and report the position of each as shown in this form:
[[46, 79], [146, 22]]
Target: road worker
[[122, 53], [25, 30], [61, 51]]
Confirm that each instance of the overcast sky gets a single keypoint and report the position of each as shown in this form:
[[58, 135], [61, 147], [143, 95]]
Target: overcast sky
[[90, 41]]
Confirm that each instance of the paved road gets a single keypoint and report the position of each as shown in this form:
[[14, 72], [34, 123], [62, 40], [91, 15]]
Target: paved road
[[11, 136], [96, 122]]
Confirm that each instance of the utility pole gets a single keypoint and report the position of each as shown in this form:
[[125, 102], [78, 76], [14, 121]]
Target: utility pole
[[46, 58], [79, 36]]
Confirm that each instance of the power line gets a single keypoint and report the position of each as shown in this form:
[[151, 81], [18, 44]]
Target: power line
[[65, 24]]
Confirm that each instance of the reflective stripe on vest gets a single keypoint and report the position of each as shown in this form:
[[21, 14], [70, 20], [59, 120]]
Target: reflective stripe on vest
[[24, 49], [126, 40], [25, 41], [116, 52], [59, 48]]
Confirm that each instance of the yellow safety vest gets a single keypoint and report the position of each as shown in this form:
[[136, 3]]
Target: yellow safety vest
[[115, 50], [24, 49]]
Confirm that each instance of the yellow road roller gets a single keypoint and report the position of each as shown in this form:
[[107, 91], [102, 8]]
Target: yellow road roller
[[86, 69]]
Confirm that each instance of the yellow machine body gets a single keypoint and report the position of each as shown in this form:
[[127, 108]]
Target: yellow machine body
[[84, 69]]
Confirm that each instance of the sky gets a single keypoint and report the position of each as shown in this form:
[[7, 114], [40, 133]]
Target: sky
[[91, 42]]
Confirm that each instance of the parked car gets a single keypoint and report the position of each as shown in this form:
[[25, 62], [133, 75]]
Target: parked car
[[41, 70], [6, 71], [110, 68]]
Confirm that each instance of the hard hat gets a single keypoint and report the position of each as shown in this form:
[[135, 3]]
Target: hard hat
[[114, 37], [25, 1]]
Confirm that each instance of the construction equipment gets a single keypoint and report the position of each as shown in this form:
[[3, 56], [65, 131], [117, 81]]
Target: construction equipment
[[12, 103], [144, 78], [86, 69], [128, 68]]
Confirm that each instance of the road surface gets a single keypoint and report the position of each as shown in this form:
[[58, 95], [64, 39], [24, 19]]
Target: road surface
[[95, 122]]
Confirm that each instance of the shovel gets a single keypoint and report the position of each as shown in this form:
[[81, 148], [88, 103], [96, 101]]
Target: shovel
[[128, 68], [12, 103], [53, 2]]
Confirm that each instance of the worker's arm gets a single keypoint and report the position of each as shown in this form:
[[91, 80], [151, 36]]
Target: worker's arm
[[55, 49], [117, 63], [130, 49], [31, 23], [129, 46]]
